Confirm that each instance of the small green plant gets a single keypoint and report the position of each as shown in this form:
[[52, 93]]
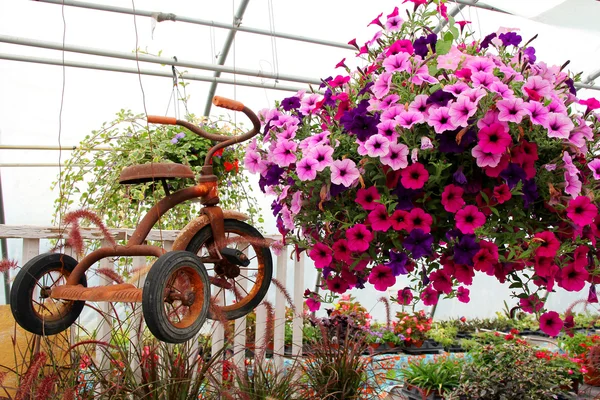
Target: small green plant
[[440, 376], [263, 382], [578, 344], [446, 336]]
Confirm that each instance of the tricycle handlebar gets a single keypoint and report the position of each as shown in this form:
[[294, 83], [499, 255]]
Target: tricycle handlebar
[[224, 140]]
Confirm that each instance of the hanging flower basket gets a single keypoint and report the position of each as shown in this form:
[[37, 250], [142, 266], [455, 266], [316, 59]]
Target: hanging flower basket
[[445, 156]]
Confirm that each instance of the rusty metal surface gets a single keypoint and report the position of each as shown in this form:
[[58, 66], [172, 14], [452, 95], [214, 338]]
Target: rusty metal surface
[[215, 217], [118, 251], [154, 171], [123, 292], [164, 205], [195, 225]]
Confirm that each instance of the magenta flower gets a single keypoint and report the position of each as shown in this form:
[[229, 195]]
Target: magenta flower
[[559, 126], [379, 219], [323, 155], [253, 162], [398, 220], [550, 323], [337, 284], [382, 85], [393, 24], [442, 281], [572, 184], [594, 165], [359, 238], [313, 305], [417, 218], [407, 119], [397, 62], [440, 120], [485, 159], [284, 153], [307, 169], [414, 176], [572, 277], [405, 296], [452, 198], [483, 79], [464, 273], [344, 172], [511, 110], [468, 219], [581, 211], [462, 294], [457, 89], [531, 304], [429, 296], [382, 277], [549, 244], [502, 193], [341, 252], [388, 129], [367, 198], [494, 139], [377, 145], [391, 113], [461, 110], [321, 255], [569, 166], [481, 64], [419, 104], [397, 156]]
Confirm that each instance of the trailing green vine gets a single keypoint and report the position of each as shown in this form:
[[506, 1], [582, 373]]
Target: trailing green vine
[[90, 176]]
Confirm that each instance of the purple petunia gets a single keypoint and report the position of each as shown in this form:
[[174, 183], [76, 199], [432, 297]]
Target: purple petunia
[[465, 250], [510, 39], [418, 243]]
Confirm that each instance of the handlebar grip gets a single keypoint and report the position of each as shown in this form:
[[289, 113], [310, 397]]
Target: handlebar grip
[[157, 119], [227, 103]]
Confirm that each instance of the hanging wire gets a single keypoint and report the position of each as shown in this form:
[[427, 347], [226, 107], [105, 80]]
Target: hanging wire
[[234, 62], [273, 40], [60, 113]]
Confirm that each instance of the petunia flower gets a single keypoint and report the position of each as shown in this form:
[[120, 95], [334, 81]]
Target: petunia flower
[[337, 284], [494, 139], [468, 219], [379, 219], [572, 277], [344, 172], [462, 294], [323, 155], [581, 211], [407, 119], [312, 304], [284, 153], [502, 193], [397, 263], [559, 125], [513, 174], [321, 255], [426, 143], [397, 62], [417, 218], [396, 157], [441, 120], [483, 79], [382, 85], [429, 296], [549, 244], [414, 176], [377, 146], [594, 165], [405, 296], [368, 197], [398, 220], [461, 110], [452, 198], [381, 277], [359, 238], [387, 129], [340, 251], [550, 323], [441, 280], [307, 169], [465, 250], [511, 110], [418, 243], [531, 304], [485, 159]]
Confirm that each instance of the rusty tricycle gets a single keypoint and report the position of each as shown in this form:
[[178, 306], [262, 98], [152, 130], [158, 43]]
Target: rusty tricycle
[[217, 248]]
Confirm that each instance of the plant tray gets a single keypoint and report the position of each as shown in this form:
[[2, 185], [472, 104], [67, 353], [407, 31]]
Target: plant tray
[[412, 393], [454, 349], [428, 347]]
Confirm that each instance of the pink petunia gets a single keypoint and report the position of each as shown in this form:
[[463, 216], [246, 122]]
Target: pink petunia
[[569, 166], [368, 197], [594, 165], [417, 218], [462, 294], [391, 113], [559, 126], [429, 296], [359, 238], [549, 244], [426, 143], [452, 198], [464, 274], [581, 211], [414, 176], [531, 304], [313, 305], [483, 79], [550, 323], [461, 110], [468, 219], [572, 277], [253, 162], [321, 255], [337, 284], [538, 114], [388, 129], [377, 145], [419, 104], [344, 172], [381, 277], [284, 153], [340, 251], [485, 159], [494, 139], [441, 120], [572, 185], [323, 155], [407, 119], [502, 193], [382, 85], [405, 296], [307, 169], [397, 62], [399, 220], [379, 219], [397, 156], [442, 281], [511, 110]]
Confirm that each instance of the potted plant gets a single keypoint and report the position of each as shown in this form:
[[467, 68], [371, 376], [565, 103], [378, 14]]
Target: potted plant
[[374, 336], [431, 379], [392, 339], [414, 327], [446, 337], [571, 368], [443, 157]]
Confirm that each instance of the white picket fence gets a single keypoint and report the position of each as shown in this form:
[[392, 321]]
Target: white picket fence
[[32, 235]]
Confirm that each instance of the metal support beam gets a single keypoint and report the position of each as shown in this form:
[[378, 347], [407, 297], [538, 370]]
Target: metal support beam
[[184, 75], [591, 77], [45, 147], [452, 13], [237, 21], [152, 59], [474, 3], [160, 16]]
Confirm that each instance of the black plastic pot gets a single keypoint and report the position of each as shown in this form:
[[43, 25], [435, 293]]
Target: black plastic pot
[[413, 393], [428, 347]]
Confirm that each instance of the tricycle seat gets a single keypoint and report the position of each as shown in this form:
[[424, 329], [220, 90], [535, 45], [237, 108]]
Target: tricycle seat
[[153, 172]]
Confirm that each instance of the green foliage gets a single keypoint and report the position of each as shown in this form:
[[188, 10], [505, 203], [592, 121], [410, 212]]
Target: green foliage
[[441, 375], [578, 344], [263, 383], [509, 371], [90, 177], [446, 336]]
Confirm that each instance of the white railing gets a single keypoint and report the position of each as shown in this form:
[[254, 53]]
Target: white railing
[[32, 235]]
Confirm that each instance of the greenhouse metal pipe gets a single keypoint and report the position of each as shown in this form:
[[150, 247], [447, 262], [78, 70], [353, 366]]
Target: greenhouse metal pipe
[[237, 21], [152, 59], [43, 147], [591, 77], [160, 16], [586, 86], [192, 77], [474, 3], [452, 13]]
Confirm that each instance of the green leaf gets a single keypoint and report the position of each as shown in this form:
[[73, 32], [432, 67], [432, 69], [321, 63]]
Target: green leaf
[[100, 163], [443, 46]]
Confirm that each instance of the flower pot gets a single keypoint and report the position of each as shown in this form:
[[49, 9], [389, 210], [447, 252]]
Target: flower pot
[[592, 377], [411, 392], [426, 347], [374, 346]]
